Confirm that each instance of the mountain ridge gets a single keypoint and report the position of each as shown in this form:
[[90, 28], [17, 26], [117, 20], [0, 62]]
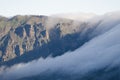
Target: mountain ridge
[[47, 35], [18, 32]]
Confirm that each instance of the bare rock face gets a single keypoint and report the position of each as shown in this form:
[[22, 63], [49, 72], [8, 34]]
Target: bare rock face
[[42, 35]]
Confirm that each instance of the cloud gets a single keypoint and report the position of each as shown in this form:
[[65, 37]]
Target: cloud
[[98, 53], [76, 16]]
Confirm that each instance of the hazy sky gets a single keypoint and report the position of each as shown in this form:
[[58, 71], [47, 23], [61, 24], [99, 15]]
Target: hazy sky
[[48, 7]]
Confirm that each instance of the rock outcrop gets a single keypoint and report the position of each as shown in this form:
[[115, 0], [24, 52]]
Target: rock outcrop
[[22, 34]]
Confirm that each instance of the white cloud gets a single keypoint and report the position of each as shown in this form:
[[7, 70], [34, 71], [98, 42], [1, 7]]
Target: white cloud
[[99, 52], [76, 16]]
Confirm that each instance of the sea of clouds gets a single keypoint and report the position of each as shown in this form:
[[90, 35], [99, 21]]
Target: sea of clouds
[[101, 51]]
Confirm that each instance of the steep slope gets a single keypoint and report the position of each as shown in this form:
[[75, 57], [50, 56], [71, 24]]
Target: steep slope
[[25, 38], [22, 34]]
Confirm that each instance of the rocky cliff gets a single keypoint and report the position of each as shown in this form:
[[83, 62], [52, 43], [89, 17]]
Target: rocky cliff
[[37, 36]]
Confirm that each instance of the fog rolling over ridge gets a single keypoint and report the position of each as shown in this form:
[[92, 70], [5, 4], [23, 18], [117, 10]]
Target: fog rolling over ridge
[[97, 59], [76, 16]]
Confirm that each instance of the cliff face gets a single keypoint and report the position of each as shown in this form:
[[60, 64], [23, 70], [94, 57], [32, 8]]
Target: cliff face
[[21, 34], [44, 35]]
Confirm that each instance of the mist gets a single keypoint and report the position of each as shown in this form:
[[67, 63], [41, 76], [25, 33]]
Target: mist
[[101, 51]]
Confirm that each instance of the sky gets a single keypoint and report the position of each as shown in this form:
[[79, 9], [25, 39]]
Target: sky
[[50, 7]]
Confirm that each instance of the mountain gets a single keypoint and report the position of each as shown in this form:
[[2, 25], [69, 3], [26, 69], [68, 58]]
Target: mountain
[[40, 36], [52, 48], [37, 36]]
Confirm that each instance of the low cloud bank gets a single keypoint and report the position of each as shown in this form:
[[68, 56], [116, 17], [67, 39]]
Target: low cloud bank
[[98, 53]]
